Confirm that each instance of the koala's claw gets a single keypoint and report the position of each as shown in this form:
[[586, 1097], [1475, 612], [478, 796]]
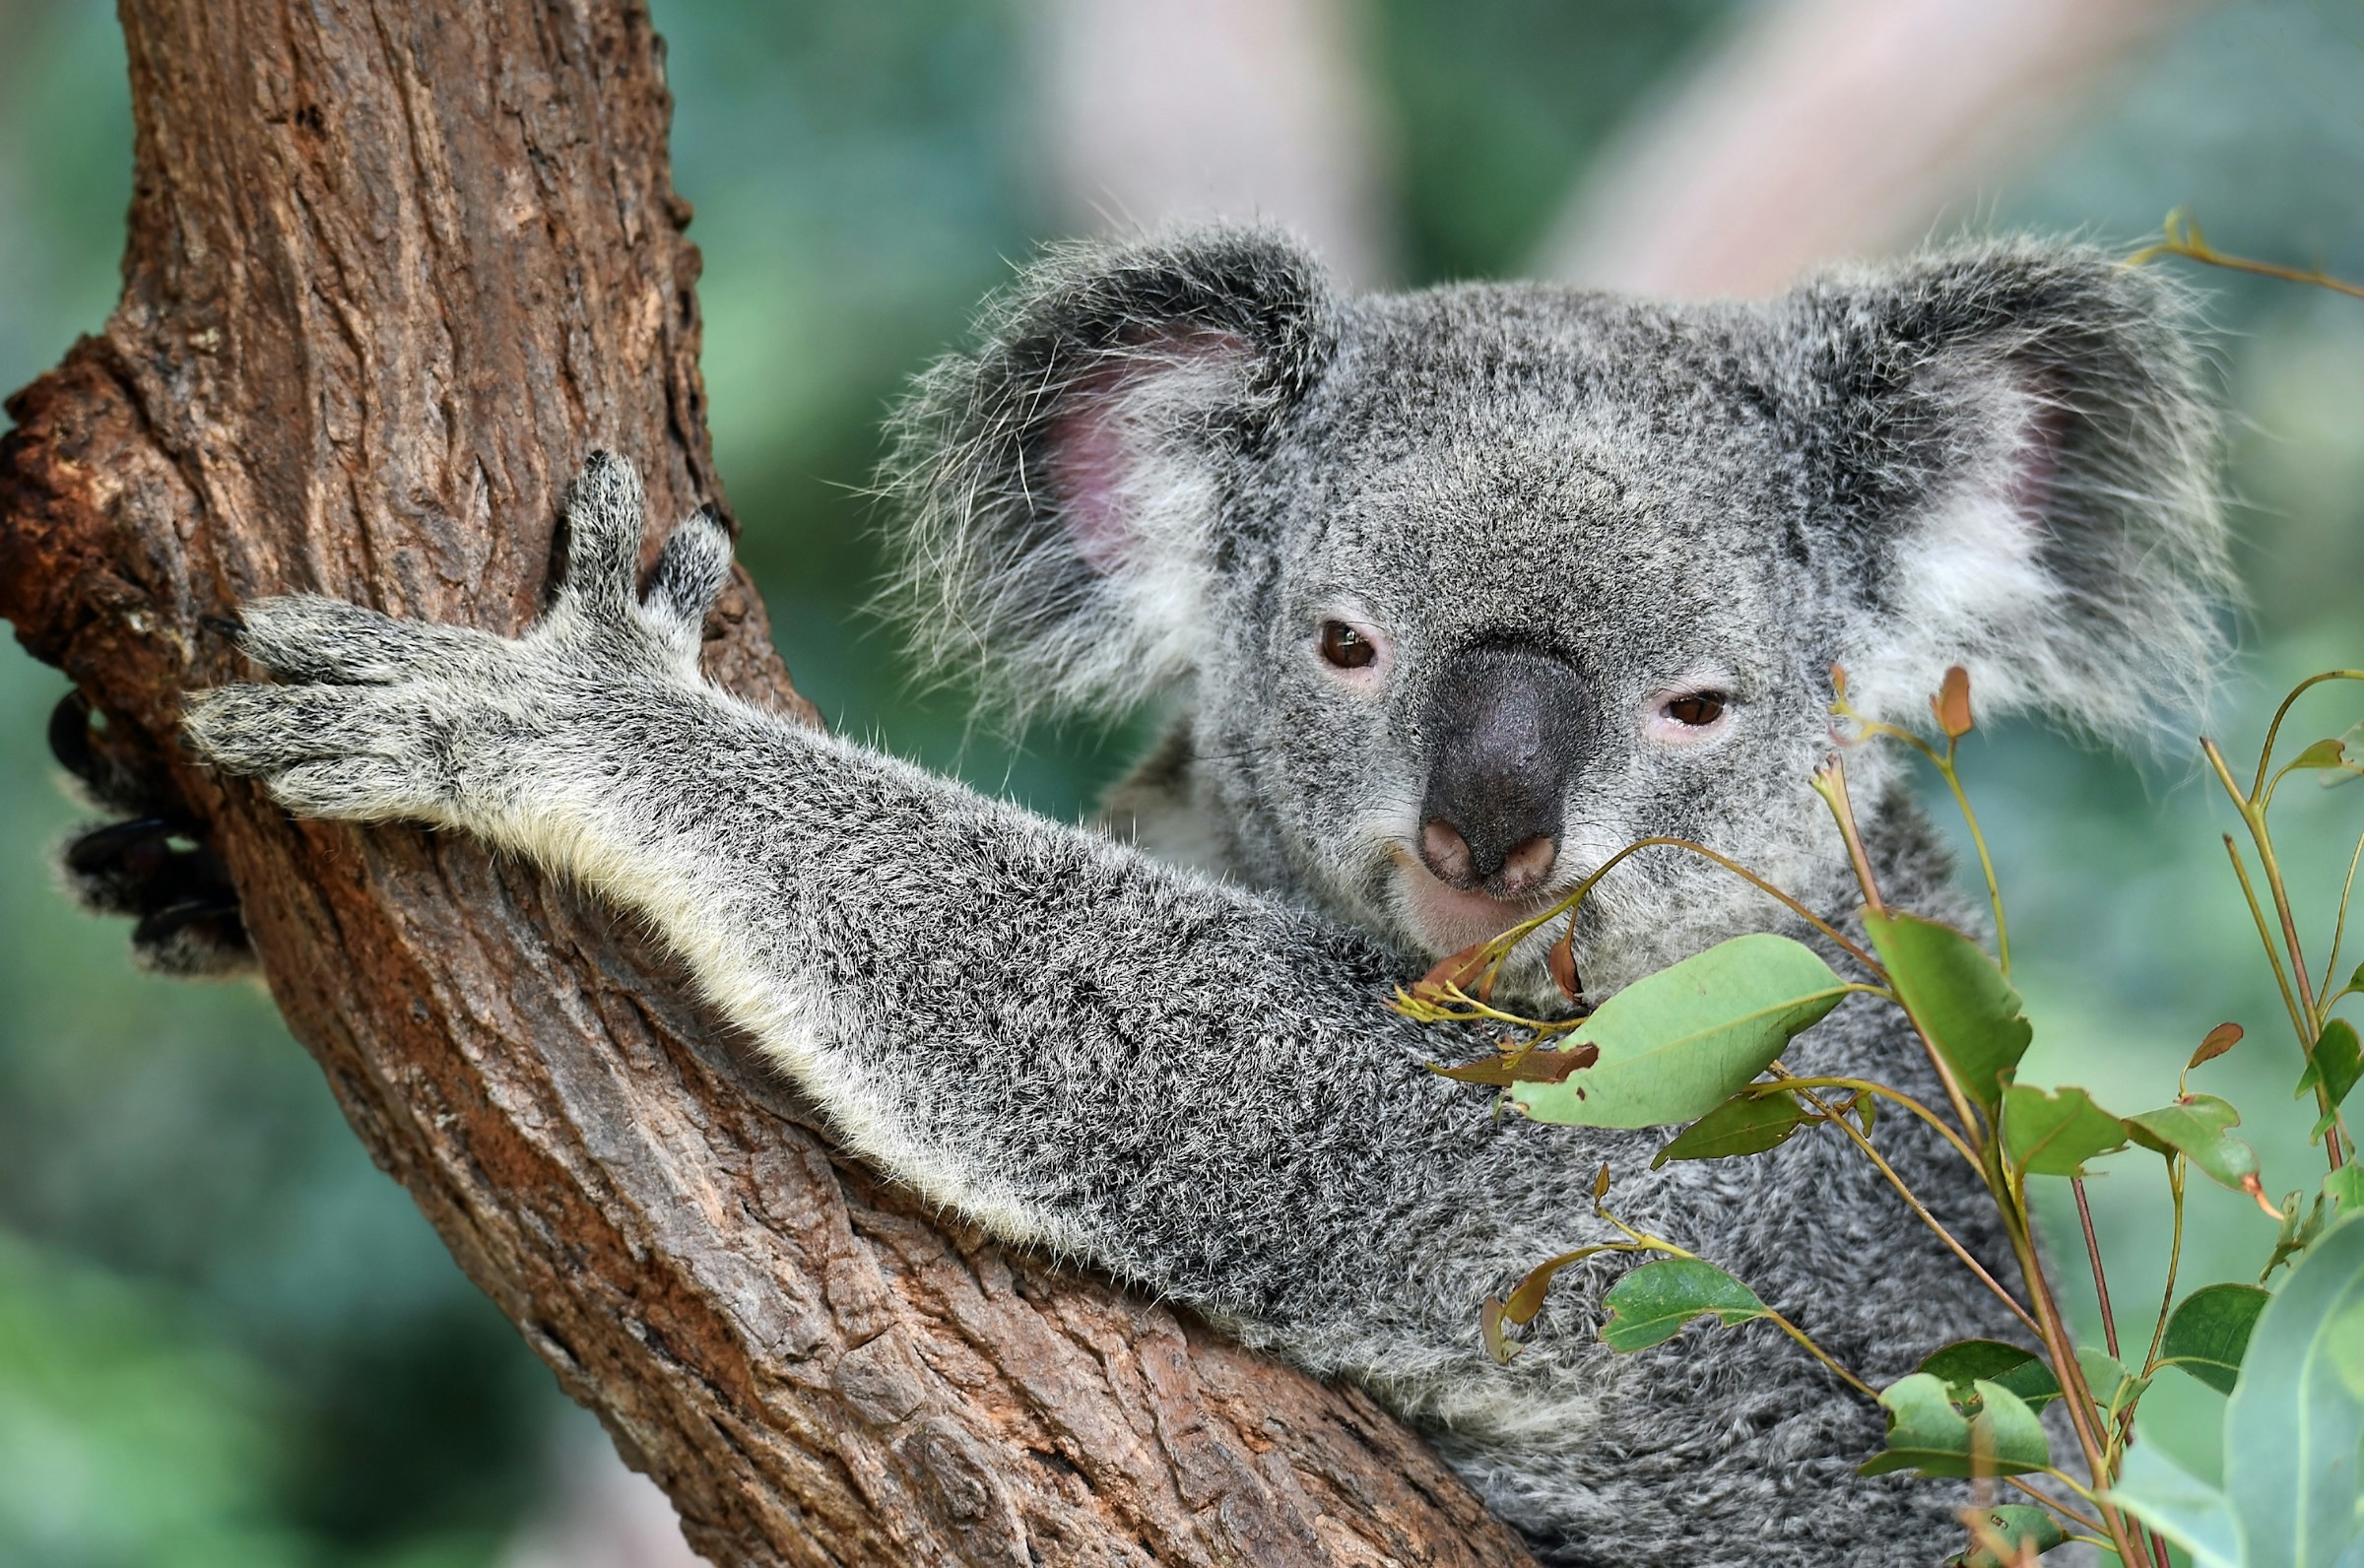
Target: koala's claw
[[380, 717], [152, 867]]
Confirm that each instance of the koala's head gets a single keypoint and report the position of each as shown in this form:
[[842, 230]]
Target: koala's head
[[1461, 591]]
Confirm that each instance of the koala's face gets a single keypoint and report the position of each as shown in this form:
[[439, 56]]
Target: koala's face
[[1524, 599], [1465, 591]]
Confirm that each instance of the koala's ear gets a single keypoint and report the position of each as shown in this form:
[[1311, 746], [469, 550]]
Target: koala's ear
[[2011, 452], [1063, 495]]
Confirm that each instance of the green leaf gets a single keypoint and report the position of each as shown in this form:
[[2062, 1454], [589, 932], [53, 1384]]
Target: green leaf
[[2210, 1331], [2196, 1127], [2346, 1188], [1651, 1305], [2300, 1224], [2180, 1506], [1968, 1362], [2053, 1134], [2015, 1522], [2336, 1062], [2295, 1423], [2322, 754], [1745, 1123], [1956, 994], [1675, 1044], [1928, 1435], [2112, 1383]]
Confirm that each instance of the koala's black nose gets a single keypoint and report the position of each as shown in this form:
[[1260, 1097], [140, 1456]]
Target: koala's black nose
[[1507, 728]]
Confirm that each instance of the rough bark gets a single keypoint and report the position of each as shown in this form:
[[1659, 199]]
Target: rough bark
[[392, 269]]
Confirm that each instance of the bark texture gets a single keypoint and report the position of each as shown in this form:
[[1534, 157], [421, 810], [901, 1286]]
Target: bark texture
[[392, 269]]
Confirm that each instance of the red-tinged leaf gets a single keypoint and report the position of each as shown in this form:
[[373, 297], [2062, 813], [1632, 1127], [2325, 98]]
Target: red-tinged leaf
[[1951, 704], [1529, 1067], [1462, 971], [1528, 1299], [2215, 1044], [1561, 961]]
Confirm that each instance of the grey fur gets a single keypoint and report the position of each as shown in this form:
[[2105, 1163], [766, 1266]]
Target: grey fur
[[1165, 464]]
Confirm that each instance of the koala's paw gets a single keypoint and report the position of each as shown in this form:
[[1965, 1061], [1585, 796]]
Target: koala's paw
[[153, 867], [379, 718]]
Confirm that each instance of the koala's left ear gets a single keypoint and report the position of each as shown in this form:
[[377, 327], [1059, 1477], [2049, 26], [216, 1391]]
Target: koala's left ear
[[2011, 453]]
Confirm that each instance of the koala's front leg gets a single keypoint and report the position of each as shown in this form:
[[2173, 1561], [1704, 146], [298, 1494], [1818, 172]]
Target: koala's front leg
[[1036, 1026]]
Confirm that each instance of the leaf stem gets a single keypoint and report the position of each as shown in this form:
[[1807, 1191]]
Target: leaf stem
[[1914, 1203], [2054, 1503], [2061, 1349], [2101, 1280], [2191, 247], [1575, 898], [1831, 784], [1791, 1080], [2274, 957], [2330, 966], [2252, 808], [2175, 1257], [1818, 1352], [2275, 729]]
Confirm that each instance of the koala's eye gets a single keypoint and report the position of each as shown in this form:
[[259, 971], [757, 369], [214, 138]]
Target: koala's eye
[[1345, 649], [1696, 709]]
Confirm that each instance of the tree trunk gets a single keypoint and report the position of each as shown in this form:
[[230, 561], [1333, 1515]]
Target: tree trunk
[[392, 270]]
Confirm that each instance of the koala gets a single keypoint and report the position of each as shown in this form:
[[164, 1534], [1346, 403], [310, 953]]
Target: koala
[[1449, 596]]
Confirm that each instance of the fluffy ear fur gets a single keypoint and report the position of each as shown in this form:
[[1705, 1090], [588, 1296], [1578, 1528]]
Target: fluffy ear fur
[[2014, 451], [1062, 491]]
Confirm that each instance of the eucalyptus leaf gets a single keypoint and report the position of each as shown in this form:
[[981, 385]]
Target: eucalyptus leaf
[[1927, 1433], [1745, 1123], [2015, 1522], [2180, 1506], [2322, 754], [1652, 1304], [1967, 1363], [2107, 1376], [1675, 1044], [2210, 1331], [2300, 1224], [2196, 1127], [2295, 1423], [2346, 1188], [1958, 996], [2053, 1134], [2335, 1063]]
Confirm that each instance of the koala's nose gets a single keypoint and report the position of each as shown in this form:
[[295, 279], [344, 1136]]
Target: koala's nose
[[1507, 730]]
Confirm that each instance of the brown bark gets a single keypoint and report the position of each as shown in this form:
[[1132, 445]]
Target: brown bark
[[392, 269]]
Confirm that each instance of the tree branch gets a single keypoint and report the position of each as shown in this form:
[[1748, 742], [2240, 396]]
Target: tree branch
[[391, 271]]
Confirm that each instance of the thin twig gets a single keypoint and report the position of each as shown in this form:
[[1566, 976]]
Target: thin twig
[[2330, 966], [2054, 1503], [1866, 1086], [2101, 1280], [2190, 245], [2175, 1257], [1918, 1207]]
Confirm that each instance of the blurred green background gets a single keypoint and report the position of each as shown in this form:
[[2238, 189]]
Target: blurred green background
[[225, 1337]]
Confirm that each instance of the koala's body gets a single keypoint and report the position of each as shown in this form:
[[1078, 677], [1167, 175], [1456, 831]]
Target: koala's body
[[1453, 595]]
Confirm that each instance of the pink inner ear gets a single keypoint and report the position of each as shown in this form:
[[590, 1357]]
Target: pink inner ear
[[1093, 443], [2037, 462], [1089, 470]]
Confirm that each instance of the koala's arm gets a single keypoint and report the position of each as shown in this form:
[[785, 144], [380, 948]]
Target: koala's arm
[[1192, 1085]]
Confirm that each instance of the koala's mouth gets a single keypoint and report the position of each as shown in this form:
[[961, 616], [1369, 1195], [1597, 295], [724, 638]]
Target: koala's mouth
[[1446, 918]]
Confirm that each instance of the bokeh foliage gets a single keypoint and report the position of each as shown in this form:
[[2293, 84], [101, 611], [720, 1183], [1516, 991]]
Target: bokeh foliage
[[225, 1336]]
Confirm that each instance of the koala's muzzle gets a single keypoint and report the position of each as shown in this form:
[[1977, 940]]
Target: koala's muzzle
[[1507, 730]]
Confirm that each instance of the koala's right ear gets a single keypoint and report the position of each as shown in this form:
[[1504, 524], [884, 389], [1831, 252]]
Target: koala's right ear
[[1063, 494]]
